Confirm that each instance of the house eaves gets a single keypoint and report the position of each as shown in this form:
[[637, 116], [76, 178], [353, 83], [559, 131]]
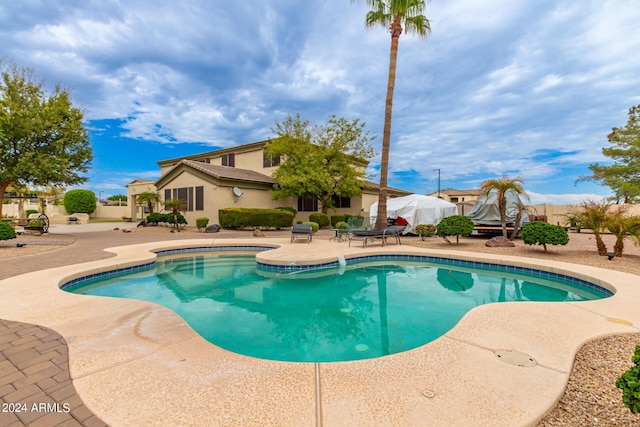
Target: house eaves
[[216, 172]]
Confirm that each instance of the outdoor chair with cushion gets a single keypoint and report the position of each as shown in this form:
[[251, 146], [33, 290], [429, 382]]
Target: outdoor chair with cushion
[[383, 234], [302, 232]]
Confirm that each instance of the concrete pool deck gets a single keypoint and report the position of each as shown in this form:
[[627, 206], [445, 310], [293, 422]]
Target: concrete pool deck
[[135, 363]]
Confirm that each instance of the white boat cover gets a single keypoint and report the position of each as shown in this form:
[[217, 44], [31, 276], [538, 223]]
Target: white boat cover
[[416, 209]]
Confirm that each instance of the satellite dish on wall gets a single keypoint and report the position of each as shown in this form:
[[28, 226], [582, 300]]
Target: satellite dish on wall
[[237, 192]]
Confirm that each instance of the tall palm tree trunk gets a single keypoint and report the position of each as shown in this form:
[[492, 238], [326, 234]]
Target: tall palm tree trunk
[[381, 219]]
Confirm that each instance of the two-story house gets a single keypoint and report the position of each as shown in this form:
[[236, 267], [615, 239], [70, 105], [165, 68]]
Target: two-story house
[[239, 176]]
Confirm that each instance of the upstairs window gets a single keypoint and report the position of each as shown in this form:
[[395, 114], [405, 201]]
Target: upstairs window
[[229, 160], [269, 160]]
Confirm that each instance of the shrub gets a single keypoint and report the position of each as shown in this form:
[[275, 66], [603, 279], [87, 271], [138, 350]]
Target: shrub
[[246, 217], [80, 201], [201, 223], [629, 382], [426, 230], [169, 219], [543, 233], [342, 225], [6, 231], [335, 219], [314, 226], [456, 225], [29, 212], [157, 217], [294, 211], [346, 217], [321, 219]]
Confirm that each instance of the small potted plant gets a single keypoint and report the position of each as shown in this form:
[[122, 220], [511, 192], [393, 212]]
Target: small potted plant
[[426, 230]]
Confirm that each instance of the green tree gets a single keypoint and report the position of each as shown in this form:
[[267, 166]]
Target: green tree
[[43, 140], [320, 160], [623, 175], [118, 198], [80, 201], [502, 187], [394, 15], [543, 233], [175, 206], [456, 225], [148, 198]]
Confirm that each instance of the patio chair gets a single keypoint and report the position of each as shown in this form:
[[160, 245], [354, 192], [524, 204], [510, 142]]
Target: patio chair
[[302, 232], [372, 234]]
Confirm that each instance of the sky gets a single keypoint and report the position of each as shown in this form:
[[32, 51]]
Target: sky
[[527, 88]]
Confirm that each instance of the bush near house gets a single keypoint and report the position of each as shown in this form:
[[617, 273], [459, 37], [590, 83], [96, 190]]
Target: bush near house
[[314, 226], [320, 218], [335, 219], [294, 211], [6, 231], [29, 212], [201, 223], [456, 225], [247, 217], [543, 233], [166, 218]]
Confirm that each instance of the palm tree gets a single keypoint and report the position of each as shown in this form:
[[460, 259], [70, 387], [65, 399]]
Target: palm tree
[[175, 205], [502, 186], [622, 225], [395, 15], [149, 198], [594, 216]]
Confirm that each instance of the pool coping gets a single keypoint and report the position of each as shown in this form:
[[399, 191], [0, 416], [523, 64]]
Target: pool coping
[[134, 362]]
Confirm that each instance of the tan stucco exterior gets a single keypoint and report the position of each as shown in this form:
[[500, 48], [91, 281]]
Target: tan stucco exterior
[[216, 182]]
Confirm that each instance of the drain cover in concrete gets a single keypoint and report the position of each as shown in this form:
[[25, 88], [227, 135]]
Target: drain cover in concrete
[[516, 358]]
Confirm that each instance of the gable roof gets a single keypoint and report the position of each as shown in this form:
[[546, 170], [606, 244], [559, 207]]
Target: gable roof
[[218, 172]]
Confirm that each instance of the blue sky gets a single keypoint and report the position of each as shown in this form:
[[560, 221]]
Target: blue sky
[[528, 88]]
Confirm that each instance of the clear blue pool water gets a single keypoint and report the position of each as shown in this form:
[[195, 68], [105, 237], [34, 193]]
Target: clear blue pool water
[[360, 311]]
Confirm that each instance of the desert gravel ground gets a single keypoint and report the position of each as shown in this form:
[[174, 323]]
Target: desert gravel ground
[[590, 399]]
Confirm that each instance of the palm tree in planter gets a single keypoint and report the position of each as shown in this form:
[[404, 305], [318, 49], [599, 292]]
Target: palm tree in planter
[[502, 186], [175, 206], [395, 15], [148, 198]]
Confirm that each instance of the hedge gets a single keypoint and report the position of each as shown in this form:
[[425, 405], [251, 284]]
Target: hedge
[[247, 217], [335, 219], [321, 219]]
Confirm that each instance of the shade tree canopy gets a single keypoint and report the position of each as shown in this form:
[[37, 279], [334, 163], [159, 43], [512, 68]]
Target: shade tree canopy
[[320, 160], [43, 140]]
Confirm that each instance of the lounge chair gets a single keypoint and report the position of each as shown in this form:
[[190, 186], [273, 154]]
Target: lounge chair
[[302, 232], [372, 234]]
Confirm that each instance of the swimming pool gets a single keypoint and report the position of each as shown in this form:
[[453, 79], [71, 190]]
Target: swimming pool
[[370, 308]]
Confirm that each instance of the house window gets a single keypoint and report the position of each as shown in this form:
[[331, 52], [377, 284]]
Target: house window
[[341, 202], [454, 200], [269, 160], [307, 204], [229, 160], [184, 193], [199, 198]]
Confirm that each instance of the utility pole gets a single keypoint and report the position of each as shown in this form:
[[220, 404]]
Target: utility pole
[[438, 182]]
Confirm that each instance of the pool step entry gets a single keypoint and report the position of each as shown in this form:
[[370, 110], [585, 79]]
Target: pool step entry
[[516, 358]]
